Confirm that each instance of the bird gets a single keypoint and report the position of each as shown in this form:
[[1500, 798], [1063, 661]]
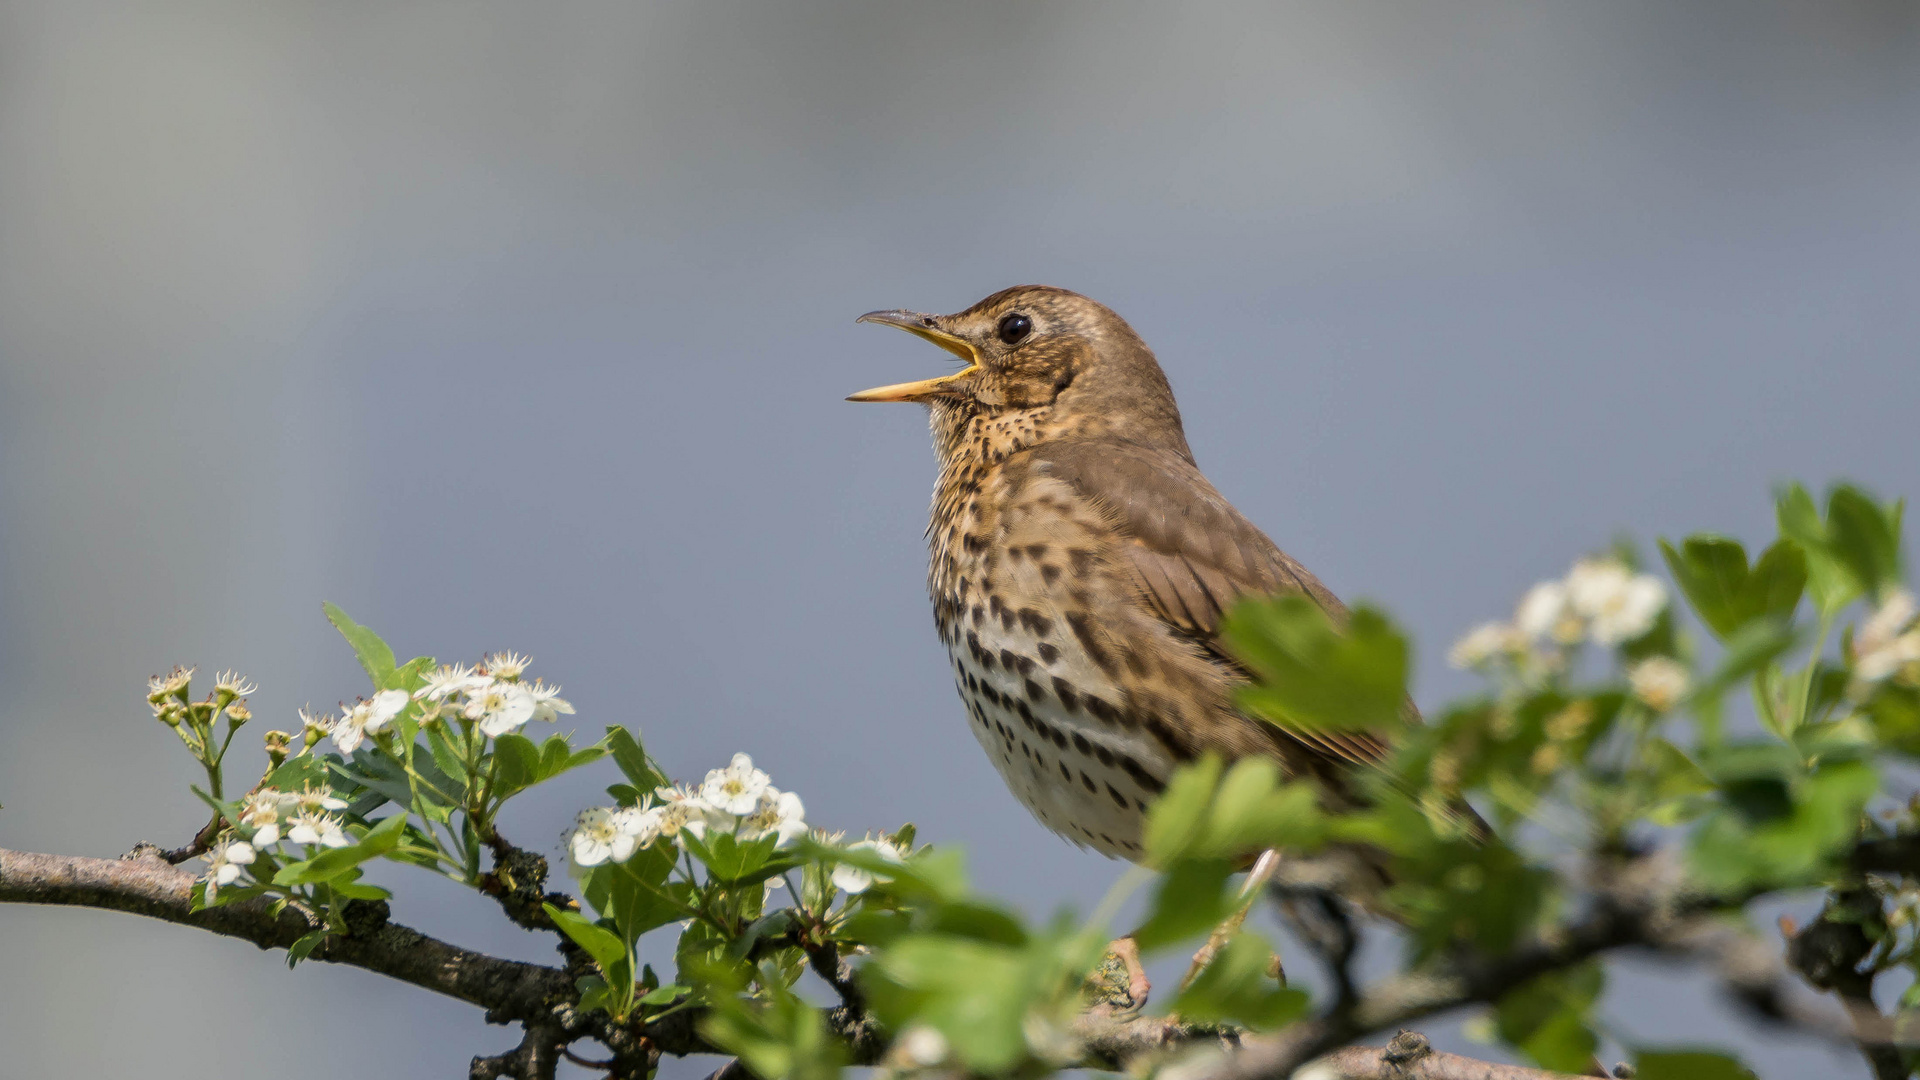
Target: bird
[[1080, 565]]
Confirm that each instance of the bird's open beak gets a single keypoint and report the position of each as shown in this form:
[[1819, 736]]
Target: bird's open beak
[[920, 326]]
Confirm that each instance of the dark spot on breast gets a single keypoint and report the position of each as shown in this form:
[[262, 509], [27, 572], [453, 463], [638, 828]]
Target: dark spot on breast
[[1025, 713], [1037, 624], [1081, 744], [1119, 799], [1064, 774], [1083, 629], [1064, 691], [1137, 664], [1175, 745], [1088, 782], [1015, 554], [1049, 573], [1082, 560], [1105, 755], [1059, 737], [1100, 710], [977, 614], [1036, 550], [1006, 619], [1034, 692], [1048, 653], [1147, 781], [1025, 664]]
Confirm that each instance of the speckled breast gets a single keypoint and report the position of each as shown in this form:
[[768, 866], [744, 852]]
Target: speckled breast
[[1014, 611]]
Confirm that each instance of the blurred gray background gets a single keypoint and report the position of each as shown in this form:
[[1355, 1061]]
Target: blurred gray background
[[527, 326]]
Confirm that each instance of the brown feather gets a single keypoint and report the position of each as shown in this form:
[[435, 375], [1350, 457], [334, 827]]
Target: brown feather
[[1192, 554]]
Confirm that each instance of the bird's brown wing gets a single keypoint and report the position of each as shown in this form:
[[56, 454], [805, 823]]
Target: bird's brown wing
[[1190, 552]]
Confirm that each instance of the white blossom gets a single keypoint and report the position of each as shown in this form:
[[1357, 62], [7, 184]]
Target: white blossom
[[547, 702], [312, 827], [1886, 644], [366, 718], [315, 727], [1484, 643], [605, 832], [1543, 613], [683, 809], [447, 680], [169, 685], [261, 813], [314, 799], [223, 865], [922, 1046], [232, 684], [735, 789], [1887, 621], [779, 812], [1659, 681], [856, 879], [500, 707], [508, 666], [1619, 604]]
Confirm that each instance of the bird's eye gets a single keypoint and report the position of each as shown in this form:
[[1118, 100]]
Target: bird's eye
[[1015, 328]]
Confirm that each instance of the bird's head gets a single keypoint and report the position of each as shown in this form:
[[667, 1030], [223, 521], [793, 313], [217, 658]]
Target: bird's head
[[1068, 363]]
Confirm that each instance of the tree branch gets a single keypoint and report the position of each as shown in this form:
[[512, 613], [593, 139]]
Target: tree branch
[[148, 885]]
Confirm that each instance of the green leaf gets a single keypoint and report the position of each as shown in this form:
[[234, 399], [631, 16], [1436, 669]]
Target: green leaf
[[975, 994], [1192, 899], [976, 921], [632, 760], [665, 995], [1310, 674], [733, 860], [334, 862], [1236, 986], [1775, 829], [447, 757], [1547, 1018], [1865, 537], [558, 756], [303, 948], [409, 676], [1688, 1065], [296, 773], [353, 890], [593, 993], [1749, 649], [374, 654], [1175, 819], [1712, 571], [516, 764], [602, 944]]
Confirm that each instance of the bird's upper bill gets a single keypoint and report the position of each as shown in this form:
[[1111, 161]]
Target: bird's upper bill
[[926, 326]]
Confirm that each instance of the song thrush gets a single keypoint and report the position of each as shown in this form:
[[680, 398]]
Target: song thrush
[[1080, 564]]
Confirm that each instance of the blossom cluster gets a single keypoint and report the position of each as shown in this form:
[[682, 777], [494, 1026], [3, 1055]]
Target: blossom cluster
[[269, 817], [1887, 646], [492, 696], [1601, 600], [739, 799]]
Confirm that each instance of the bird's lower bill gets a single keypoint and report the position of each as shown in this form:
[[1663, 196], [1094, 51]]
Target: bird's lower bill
[[920, 326]]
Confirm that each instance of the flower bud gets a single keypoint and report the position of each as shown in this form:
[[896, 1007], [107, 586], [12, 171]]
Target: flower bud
[[277, 742], [169, 713], [171, 685], [238, 713], [313, 728]]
